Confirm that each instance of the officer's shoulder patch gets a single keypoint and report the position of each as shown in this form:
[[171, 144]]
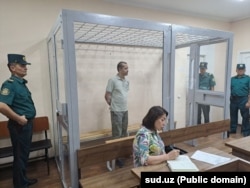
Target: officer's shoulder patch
[[5, 91], [10, 80]]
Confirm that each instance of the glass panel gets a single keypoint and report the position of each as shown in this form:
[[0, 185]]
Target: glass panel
[[182, 86], [61, 105], [51, 51], [97, 63], [215, 57], [187, 99], [60, 74], [65, 155]]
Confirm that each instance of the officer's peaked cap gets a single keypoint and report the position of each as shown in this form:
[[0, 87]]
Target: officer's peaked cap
[[203, 65], [17, 58], [241, 66]]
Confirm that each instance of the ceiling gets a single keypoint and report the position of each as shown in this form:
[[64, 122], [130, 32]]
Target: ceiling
[[221, 10]]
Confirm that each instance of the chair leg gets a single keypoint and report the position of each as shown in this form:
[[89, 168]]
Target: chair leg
[[47, 160], [48, 165]]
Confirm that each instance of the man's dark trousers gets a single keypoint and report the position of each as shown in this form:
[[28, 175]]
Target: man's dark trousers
[[205, 109], [236, 104]]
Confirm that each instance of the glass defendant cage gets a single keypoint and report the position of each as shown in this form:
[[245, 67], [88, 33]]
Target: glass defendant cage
[[84, 49]]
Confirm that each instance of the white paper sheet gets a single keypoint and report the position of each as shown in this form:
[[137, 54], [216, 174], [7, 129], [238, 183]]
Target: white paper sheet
[[182, 164], [209, 158]]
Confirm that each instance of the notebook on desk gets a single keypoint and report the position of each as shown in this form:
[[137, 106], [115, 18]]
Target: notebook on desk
[[182, 164]]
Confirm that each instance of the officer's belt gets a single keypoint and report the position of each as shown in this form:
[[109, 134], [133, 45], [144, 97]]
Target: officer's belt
[[29, 120]]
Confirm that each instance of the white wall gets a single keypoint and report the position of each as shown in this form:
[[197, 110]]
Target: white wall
[[25, 25], [95, 67], [241, 44], [241, 41]]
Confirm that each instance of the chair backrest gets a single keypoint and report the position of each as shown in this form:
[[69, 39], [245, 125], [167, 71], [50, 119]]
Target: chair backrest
[[4, 131], [40, 124]]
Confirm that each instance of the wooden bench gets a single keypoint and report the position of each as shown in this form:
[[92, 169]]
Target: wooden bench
[[213, 134], [196, 131], [40, 125], [240, 147], [100, 154], [122, 147], [237, 165]]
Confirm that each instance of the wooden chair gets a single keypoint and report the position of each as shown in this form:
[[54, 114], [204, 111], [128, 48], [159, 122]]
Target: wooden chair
[[40, 124]]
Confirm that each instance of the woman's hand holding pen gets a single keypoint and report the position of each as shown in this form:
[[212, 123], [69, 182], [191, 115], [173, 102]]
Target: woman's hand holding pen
[[173, 154]]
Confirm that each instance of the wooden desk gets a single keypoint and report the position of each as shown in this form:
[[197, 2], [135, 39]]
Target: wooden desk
[[202, 166], [237, 165], [240, 147]]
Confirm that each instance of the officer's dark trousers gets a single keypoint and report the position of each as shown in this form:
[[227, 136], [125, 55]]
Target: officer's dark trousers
[[205, 109], [236, 104], [21, 137]]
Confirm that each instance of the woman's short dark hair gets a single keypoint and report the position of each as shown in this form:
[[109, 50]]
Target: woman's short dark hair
[[153, 114]]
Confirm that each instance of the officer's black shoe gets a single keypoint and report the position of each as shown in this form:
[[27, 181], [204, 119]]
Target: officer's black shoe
[[32, 181]]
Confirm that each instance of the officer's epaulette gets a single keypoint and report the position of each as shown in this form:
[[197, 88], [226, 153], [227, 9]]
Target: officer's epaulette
[[10, 80]]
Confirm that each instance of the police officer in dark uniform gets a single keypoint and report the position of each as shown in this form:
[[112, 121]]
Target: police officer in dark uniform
[[15, 94], [206, 82], [240, 100]]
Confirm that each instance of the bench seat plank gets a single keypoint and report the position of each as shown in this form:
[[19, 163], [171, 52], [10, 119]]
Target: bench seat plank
[[6, 152], [41, 144]]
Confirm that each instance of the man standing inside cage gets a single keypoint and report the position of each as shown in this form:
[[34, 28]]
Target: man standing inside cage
[[116, 97], [206, 82], [240, 100]]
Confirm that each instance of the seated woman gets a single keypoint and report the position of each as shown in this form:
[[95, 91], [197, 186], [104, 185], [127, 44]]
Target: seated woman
[[148, 147]]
